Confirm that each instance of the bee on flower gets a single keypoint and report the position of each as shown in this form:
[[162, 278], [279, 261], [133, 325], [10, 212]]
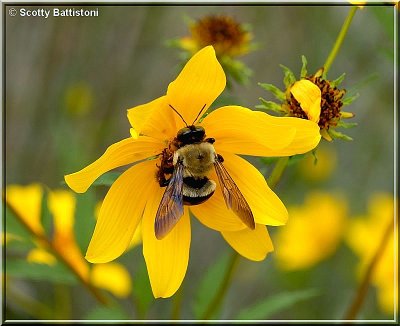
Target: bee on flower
[[186, 161], [314, 98]]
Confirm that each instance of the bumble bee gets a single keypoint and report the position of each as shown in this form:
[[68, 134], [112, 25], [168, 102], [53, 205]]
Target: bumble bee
[[189, 160]]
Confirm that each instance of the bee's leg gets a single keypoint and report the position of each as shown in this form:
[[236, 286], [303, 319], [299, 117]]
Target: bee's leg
[[210, 140], [220, 158]]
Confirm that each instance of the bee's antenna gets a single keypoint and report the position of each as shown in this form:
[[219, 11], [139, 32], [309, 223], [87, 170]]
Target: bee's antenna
[[199, 113], [178, 114]]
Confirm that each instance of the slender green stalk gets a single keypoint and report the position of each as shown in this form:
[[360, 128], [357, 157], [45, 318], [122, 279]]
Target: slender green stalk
[[277, 172], [217, 301], [177, 304], [362, 290], [340, 39], [49, 244]]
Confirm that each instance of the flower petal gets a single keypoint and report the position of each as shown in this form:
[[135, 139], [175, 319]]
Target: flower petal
[[200, 82], [154, 119], [309, 96], [27, 203], [113, 277], [252, 244], [121, 212], [61, 204], [243, 131], [124, 152], [166, 259], [266, 206], [214, 214]]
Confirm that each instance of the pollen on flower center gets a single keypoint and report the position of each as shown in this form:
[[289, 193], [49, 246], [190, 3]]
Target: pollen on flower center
[[331, 103], [223, 32]]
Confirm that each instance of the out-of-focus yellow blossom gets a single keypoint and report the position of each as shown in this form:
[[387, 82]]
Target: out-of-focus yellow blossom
[[312, 233], [61, 205], [112, 277], [320, 165], [364, 236]]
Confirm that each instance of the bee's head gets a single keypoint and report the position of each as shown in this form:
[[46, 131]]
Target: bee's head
[[191, 135]]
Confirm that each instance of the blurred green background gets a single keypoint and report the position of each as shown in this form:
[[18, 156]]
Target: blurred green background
[[69, 82]]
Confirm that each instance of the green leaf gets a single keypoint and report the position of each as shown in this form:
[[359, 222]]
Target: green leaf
[[277, 303], [57, 273], [269, 105], [347, 125], [141, 290], [209, 285], [338, 81], [349, 99], [113, 312], [303, 72], [289, 77], [274, 90], [107, 179], [336, 134]]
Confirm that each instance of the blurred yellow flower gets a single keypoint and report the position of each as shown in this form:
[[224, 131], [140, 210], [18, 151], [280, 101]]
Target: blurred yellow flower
[[318, 166], [312, 233], [136, 195], [225, 34], [364, 236], [61, 205], [112, 277]]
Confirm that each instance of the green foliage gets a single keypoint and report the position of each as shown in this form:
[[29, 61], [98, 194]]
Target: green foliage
[[208, 285], [107, 179], [141, 291], [338, 81], [274, 90], [113, 312], [57, 273], [270, 106], [274, 304], [289, 77], [303, 72]]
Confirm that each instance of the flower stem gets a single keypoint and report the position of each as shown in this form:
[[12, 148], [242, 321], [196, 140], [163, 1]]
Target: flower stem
[[277, 172], [362, 290], [215, 304], [339, 39], [49, 244], [176, 304]]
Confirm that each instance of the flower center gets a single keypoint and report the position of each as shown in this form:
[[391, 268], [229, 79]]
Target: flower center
[[331, 103], [223, 32]]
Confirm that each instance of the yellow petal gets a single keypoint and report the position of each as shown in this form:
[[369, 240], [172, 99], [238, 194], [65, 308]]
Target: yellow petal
[[27, 203], [122, 153], [309, 96], [154, 119], [214, 214], [267, 208], [61, 204], [41, 256], [121, 212], [243, 131], [252, 244], [113, 277], [200, 82], [166, 259]]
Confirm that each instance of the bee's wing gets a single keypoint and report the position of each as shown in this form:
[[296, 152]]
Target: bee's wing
[[171, 206], [232, 195]]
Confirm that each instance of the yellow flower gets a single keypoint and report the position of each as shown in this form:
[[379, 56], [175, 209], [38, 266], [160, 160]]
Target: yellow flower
[[136, 195], [61, 204], [364, 236], [314, 98], [225, 34], [312, 233]]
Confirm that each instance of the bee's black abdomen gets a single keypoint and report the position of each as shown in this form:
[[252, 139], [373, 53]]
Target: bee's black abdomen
[[195, 183], [190, 201]]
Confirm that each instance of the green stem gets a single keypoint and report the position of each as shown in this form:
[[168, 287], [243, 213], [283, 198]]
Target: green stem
[[339, 39], [362, 290], [177, 304], [217, 301], [277, 172], [214, 305]]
